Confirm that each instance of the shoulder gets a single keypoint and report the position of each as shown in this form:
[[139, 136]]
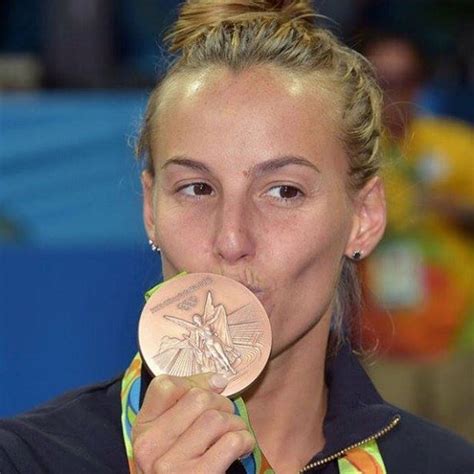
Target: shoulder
[[80, 430], [417, 445]]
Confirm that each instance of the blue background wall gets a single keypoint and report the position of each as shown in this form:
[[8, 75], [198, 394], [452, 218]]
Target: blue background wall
[[73, 274]]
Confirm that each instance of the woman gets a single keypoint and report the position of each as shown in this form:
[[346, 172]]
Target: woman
[[261, 147]]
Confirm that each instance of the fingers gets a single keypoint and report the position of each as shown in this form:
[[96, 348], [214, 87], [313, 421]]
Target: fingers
[[165, 430], [233, 445], [170, 408], [217, 459], [206, 430], [195, 402], [164, 391]]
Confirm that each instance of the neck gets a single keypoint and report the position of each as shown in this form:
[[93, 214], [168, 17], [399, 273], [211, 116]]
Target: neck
[[288, 406]]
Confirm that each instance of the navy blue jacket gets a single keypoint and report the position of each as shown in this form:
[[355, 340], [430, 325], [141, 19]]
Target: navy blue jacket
[[80, 432]]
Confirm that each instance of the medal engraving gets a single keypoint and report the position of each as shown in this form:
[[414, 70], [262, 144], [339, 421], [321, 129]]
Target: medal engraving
[[213, 342], [202, 323]]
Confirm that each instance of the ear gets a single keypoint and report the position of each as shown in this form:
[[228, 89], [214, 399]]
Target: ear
[[369, 218], [148, 205]]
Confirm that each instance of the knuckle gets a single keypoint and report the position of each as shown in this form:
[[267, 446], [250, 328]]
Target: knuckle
[[234, 441], [240, 441], [164, 384], [249, 441], [161, 378], [200, 398], [238, 423], [162, 466], [213, 419], [142, 448]]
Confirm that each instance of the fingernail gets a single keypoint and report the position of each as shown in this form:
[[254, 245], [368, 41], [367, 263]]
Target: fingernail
[[218, 381]]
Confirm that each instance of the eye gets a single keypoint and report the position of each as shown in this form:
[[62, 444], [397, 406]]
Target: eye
[[284, 192], [196, 189]]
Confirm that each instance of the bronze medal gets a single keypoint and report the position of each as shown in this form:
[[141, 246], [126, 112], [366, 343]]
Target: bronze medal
[[204, 322]]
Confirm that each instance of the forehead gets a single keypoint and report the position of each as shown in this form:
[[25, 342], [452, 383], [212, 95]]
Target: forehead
[[257, 113]]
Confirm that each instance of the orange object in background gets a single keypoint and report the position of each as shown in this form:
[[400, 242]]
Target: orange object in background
[[427, 329], [419, 282]]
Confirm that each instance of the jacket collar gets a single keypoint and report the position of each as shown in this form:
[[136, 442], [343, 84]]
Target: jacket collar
[[355, 409]]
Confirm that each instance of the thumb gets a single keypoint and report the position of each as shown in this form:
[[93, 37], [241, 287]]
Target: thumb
[[209, 380]]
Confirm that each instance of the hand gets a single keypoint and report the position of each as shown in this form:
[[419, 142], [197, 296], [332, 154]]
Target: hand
[[185, 426]]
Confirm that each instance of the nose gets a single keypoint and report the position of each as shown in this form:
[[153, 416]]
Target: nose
[[234, 237]]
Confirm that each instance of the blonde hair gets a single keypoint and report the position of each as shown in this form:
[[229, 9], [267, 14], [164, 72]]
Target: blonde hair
[[240, 34]]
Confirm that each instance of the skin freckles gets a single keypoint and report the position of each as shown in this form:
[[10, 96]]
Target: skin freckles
[[282, 229]]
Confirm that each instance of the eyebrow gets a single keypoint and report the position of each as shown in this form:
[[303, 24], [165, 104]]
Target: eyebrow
[[259, 169], [186, 162], [281, 162]]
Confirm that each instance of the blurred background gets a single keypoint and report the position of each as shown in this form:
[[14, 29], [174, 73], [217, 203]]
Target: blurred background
[[74, 259]]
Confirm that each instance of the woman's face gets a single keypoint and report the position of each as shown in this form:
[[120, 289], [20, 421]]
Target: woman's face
[[251, 184]]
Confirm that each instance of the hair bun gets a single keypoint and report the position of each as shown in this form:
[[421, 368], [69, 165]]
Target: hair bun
[[199, 17]]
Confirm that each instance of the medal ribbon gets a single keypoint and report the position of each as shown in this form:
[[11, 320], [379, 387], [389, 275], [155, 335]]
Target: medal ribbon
[[365, 459], [255, 463]]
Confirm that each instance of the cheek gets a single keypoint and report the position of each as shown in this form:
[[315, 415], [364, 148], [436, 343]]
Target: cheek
[[183, 235], [306, 269], [307, 265], [304, 237]]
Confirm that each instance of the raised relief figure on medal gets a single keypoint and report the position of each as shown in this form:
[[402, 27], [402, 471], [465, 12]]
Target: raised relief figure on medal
[[211, 343], [205, 323]]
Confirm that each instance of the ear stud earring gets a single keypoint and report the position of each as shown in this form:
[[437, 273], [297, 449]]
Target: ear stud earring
[[357, 255], [154, 248]]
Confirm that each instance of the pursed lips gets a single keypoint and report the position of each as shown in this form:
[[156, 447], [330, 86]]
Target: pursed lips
[[253, 289], [248, 280], [257, 291]]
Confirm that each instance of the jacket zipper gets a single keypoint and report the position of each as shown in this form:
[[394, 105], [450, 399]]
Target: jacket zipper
[[340, 453]]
